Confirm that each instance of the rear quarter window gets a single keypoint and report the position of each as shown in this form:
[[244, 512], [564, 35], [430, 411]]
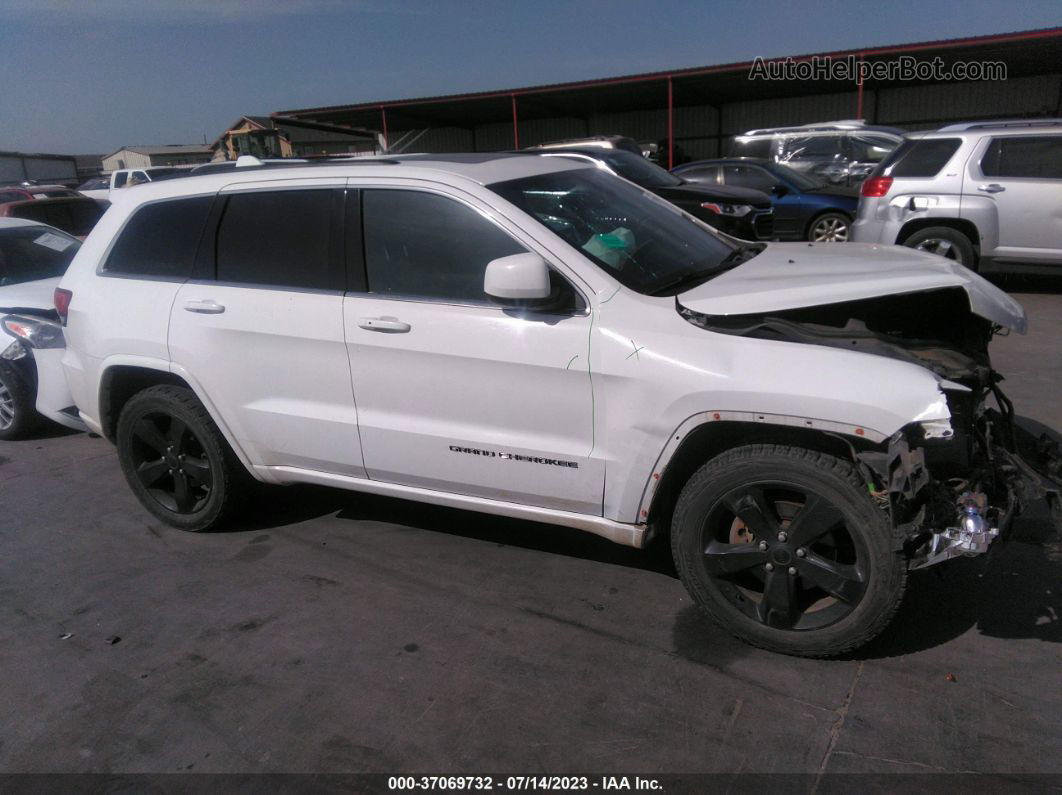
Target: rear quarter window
[[160, 239], [922, 157]]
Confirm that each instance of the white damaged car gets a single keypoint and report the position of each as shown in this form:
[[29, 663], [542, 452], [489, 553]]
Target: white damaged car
[[529, 337], [32, 385]]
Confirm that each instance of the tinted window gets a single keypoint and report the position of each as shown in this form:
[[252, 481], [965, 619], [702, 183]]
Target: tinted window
[[1036, 157], [278, 238], [11, 196], [921, 157], [119, 179], [748, 177], [74, 217], [428, 246], [161, 239], [29, 253]]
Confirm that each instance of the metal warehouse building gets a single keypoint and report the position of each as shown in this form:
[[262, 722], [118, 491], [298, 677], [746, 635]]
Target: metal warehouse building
[[691, 113]]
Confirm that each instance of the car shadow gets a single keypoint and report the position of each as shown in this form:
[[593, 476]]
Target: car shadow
[[1013, 593]]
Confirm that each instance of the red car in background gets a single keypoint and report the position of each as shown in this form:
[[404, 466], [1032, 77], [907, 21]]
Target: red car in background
[[29, 192]]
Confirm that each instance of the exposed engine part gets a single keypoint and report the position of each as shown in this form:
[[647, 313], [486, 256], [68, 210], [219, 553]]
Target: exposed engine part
[[971, 537]]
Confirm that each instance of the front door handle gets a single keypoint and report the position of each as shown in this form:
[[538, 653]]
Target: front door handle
[[390, 325], [207, 307], [992, 188]]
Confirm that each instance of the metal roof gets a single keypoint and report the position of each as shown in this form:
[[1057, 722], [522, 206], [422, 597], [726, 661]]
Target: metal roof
[[1024, 52]]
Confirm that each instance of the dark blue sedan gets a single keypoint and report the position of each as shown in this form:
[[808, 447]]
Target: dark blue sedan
[[803, 209]]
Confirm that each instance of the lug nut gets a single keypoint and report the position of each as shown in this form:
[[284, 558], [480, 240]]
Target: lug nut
[[763, 545], [802, 553], [782, 536], [769, 567], [792, 569]]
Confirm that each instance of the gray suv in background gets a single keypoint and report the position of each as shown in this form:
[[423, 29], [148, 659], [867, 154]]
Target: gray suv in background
[[985, 194]]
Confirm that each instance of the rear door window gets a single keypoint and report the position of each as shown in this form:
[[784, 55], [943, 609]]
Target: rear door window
[[921, 157], [279, 238], [160, 240], [1026, 156]]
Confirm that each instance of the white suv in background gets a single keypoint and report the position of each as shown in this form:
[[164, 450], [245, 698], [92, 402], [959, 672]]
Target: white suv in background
[[985, 194], [535, 338]]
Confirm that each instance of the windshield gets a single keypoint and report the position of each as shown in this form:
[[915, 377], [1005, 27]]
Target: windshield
[[794, 177], [29, 253], [645, 243]]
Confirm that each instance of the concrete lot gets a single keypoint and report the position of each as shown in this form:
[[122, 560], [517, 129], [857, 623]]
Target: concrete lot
[[346, 634]]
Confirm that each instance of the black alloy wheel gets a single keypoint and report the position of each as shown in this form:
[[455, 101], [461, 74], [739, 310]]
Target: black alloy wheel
[[787, 549]]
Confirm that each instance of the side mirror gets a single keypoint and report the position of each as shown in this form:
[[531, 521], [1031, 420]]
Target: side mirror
[[518, 277]]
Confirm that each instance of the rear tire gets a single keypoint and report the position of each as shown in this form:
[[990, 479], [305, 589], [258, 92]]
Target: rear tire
[[785, 549], [945, 242], [176, 460], [18, 413]]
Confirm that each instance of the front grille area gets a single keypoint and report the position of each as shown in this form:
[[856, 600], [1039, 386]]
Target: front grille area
[[763, 224]]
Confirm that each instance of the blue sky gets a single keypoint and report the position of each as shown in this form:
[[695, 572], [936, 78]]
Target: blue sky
[[93, 75]]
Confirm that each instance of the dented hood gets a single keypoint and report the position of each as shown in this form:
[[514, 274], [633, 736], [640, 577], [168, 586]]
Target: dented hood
[[794, 275]]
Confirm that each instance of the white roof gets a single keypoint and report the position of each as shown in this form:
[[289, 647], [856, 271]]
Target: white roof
[[482, 168]]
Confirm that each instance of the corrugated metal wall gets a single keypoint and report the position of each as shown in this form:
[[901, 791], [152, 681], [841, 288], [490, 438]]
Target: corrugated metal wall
[[703, 131]]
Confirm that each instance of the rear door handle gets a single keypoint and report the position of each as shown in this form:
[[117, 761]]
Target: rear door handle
[[391, 325], [992, 188], [207, 307]]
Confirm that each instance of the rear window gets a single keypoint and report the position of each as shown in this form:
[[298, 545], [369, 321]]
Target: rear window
[[161, 239], [1031, 157], [921, 157], [29, 253]]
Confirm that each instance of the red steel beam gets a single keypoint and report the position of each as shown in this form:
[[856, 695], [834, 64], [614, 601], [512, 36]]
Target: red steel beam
[[670, 125], [516, 129]]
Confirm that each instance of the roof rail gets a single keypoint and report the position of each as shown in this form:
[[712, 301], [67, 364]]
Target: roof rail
[[818, 126], [1001, 124]]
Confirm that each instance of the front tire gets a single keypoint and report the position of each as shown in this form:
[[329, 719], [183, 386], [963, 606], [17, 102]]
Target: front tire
[[785, 549], [18, 412], [176, 461]]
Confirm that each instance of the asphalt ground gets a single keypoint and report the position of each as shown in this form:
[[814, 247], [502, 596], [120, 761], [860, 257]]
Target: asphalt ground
[[341, 633]]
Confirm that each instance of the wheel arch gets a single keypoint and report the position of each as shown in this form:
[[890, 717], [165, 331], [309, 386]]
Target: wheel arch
[[709, 439], [967, 228], [120, 381]]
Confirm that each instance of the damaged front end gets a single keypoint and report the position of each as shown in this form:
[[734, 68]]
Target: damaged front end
[[951, 486]]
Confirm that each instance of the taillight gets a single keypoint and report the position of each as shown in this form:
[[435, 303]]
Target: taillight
[[61, 299], [876, 187]]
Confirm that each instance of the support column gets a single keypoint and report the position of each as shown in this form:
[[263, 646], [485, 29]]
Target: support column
[[859, 90], [383, 117], [516, 129], [670, 125]]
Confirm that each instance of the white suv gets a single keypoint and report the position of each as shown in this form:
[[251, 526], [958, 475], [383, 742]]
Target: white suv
[[530, 337]]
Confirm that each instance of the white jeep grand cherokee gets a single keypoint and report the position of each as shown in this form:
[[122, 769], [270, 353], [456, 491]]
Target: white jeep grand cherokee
[[529, 337]]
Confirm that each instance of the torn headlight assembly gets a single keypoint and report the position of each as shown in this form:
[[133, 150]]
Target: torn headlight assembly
[[34, 332]]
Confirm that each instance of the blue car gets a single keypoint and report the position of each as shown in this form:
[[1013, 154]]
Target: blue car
[[803, 208]]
